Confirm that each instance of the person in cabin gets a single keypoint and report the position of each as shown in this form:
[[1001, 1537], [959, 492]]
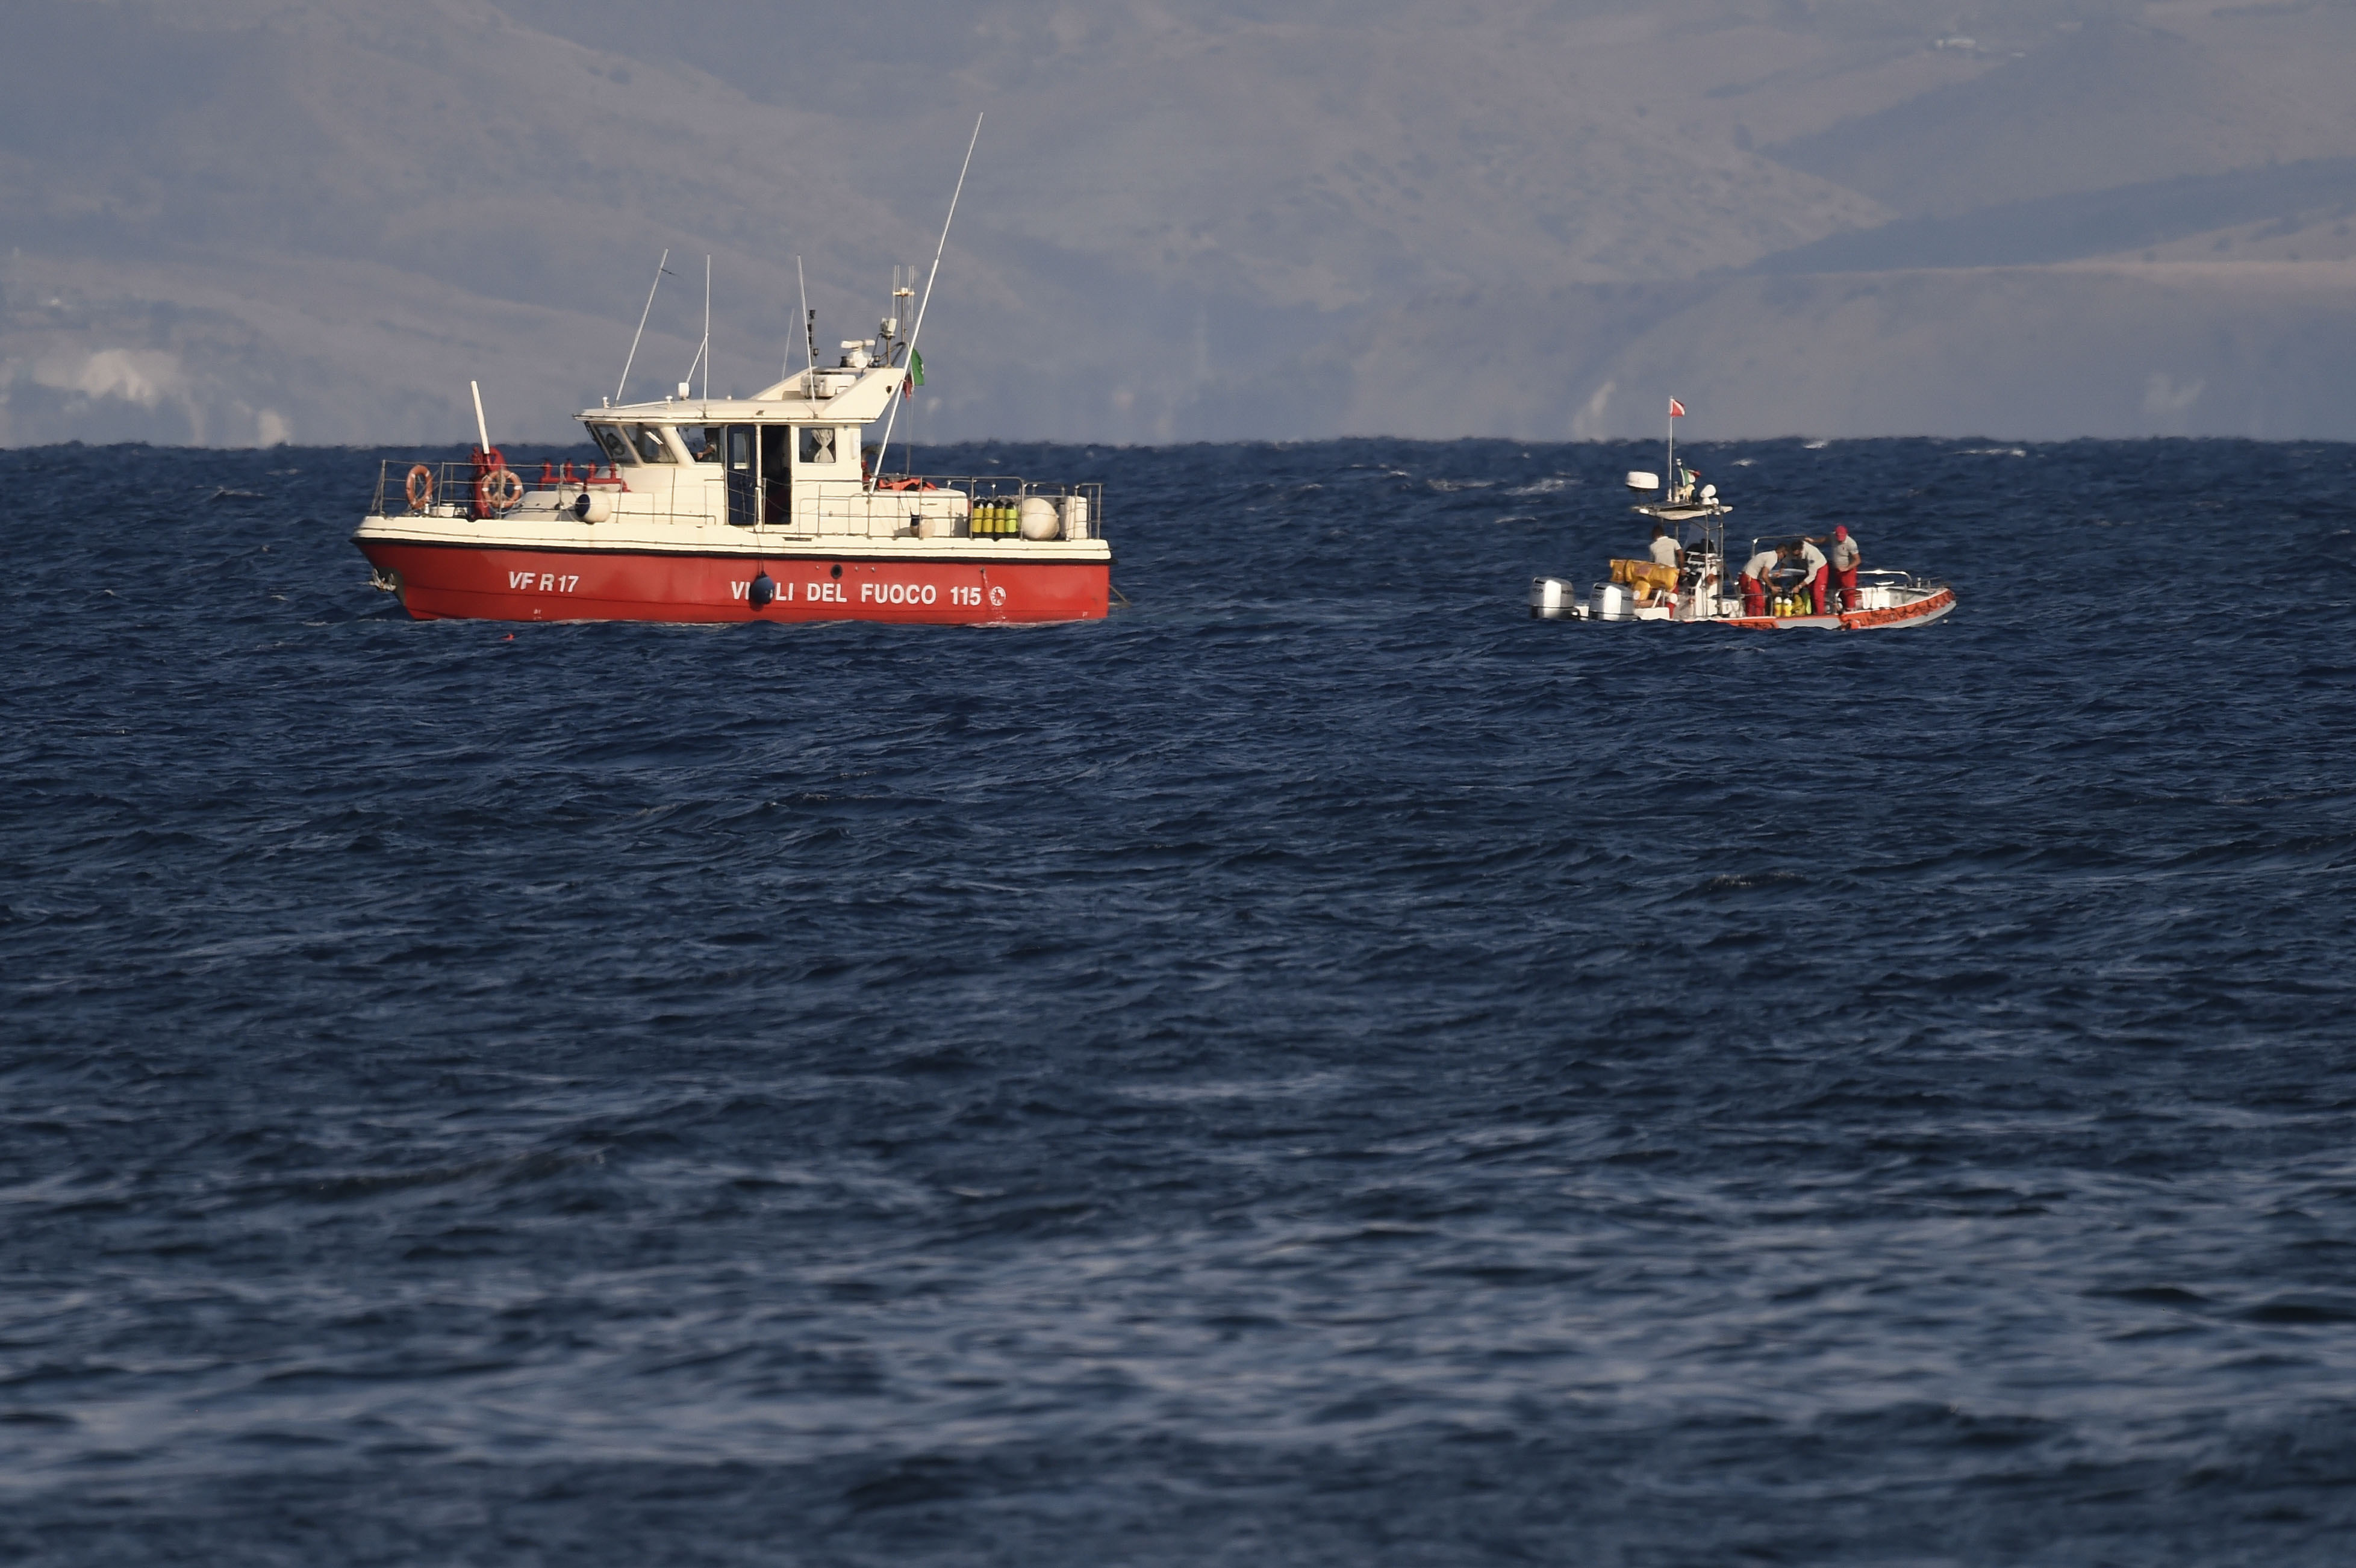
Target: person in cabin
[[1812, 570], [1757, 572]]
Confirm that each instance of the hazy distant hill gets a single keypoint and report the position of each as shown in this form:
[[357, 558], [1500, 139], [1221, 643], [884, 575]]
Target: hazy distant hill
[[241, 220], [2107, 104]]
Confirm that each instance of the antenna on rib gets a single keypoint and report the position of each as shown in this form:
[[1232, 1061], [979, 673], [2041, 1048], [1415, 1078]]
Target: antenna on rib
[[885, 450], [642, 327]]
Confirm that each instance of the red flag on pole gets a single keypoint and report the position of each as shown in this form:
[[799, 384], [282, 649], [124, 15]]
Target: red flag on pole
[[1676, 410]]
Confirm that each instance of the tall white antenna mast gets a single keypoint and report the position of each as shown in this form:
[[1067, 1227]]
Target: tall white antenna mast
[[885, 450], [703, 349], [809, 344], [642, 327]]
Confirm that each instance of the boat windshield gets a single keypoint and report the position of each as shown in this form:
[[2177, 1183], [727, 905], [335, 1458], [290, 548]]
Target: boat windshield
[[609, 441], [647, 439]]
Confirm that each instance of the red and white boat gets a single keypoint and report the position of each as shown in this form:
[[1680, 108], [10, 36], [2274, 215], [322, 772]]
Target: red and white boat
[[1700, 586], [755, 508], [762, 508]]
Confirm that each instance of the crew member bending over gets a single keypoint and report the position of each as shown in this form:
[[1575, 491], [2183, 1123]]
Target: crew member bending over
[[1812, 570], [1756, 572]]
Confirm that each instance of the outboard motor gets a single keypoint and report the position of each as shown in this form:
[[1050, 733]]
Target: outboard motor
[[1551, 600], [1614, 602]]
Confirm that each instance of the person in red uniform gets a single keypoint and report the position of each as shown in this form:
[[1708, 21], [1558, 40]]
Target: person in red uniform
[[1845, 559], [1813, 568], [1755, 574]]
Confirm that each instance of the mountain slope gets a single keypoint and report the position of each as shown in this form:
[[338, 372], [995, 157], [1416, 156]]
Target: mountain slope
[[254, 219]]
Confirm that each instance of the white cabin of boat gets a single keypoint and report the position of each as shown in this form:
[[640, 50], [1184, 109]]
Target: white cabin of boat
[[786, 464]]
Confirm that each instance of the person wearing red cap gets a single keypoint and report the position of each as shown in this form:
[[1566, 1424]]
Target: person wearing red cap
[[1843, 566]]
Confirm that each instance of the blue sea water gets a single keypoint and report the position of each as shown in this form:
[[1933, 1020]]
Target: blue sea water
[[1317, 1069]]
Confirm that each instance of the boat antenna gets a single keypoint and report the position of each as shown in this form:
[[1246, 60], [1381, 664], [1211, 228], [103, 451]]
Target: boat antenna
[[1672, 474], [885, 450], [642, 327], [703, 349], [482, 431], [810, 335]]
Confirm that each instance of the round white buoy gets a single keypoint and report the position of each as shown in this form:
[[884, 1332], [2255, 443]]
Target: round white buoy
[[1038, 520]]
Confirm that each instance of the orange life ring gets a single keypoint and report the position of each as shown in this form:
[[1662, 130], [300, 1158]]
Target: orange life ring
[[421, 487], [499, 490]]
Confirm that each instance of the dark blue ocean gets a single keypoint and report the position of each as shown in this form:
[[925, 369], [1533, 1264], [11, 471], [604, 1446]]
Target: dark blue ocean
[[1319, 1069]]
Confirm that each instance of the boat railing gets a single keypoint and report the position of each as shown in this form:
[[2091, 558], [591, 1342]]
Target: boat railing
[[482, 490], [1085, 521], [991, 503], [522, 491]]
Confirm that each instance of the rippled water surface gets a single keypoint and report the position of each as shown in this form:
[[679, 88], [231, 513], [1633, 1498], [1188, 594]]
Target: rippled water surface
[[1318, 1068]]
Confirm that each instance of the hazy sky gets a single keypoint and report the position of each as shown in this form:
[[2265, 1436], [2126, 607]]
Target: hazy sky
[[242, 220]]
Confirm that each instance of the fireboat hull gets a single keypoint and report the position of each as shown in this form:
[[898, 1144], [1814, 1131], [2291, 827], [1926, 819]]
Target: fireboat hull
[[480, 582]]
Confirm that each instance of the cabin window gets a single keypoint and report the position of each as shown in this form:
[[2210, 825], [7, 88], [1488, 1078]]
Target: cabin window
[[703, 442], [610, 442], [648, 439], [817, 444]]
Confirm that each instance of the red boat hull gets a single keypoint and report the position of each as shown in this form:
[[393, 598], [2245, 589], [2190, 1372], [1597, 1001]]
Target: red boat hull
[[1917, 613], [476, 583]]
